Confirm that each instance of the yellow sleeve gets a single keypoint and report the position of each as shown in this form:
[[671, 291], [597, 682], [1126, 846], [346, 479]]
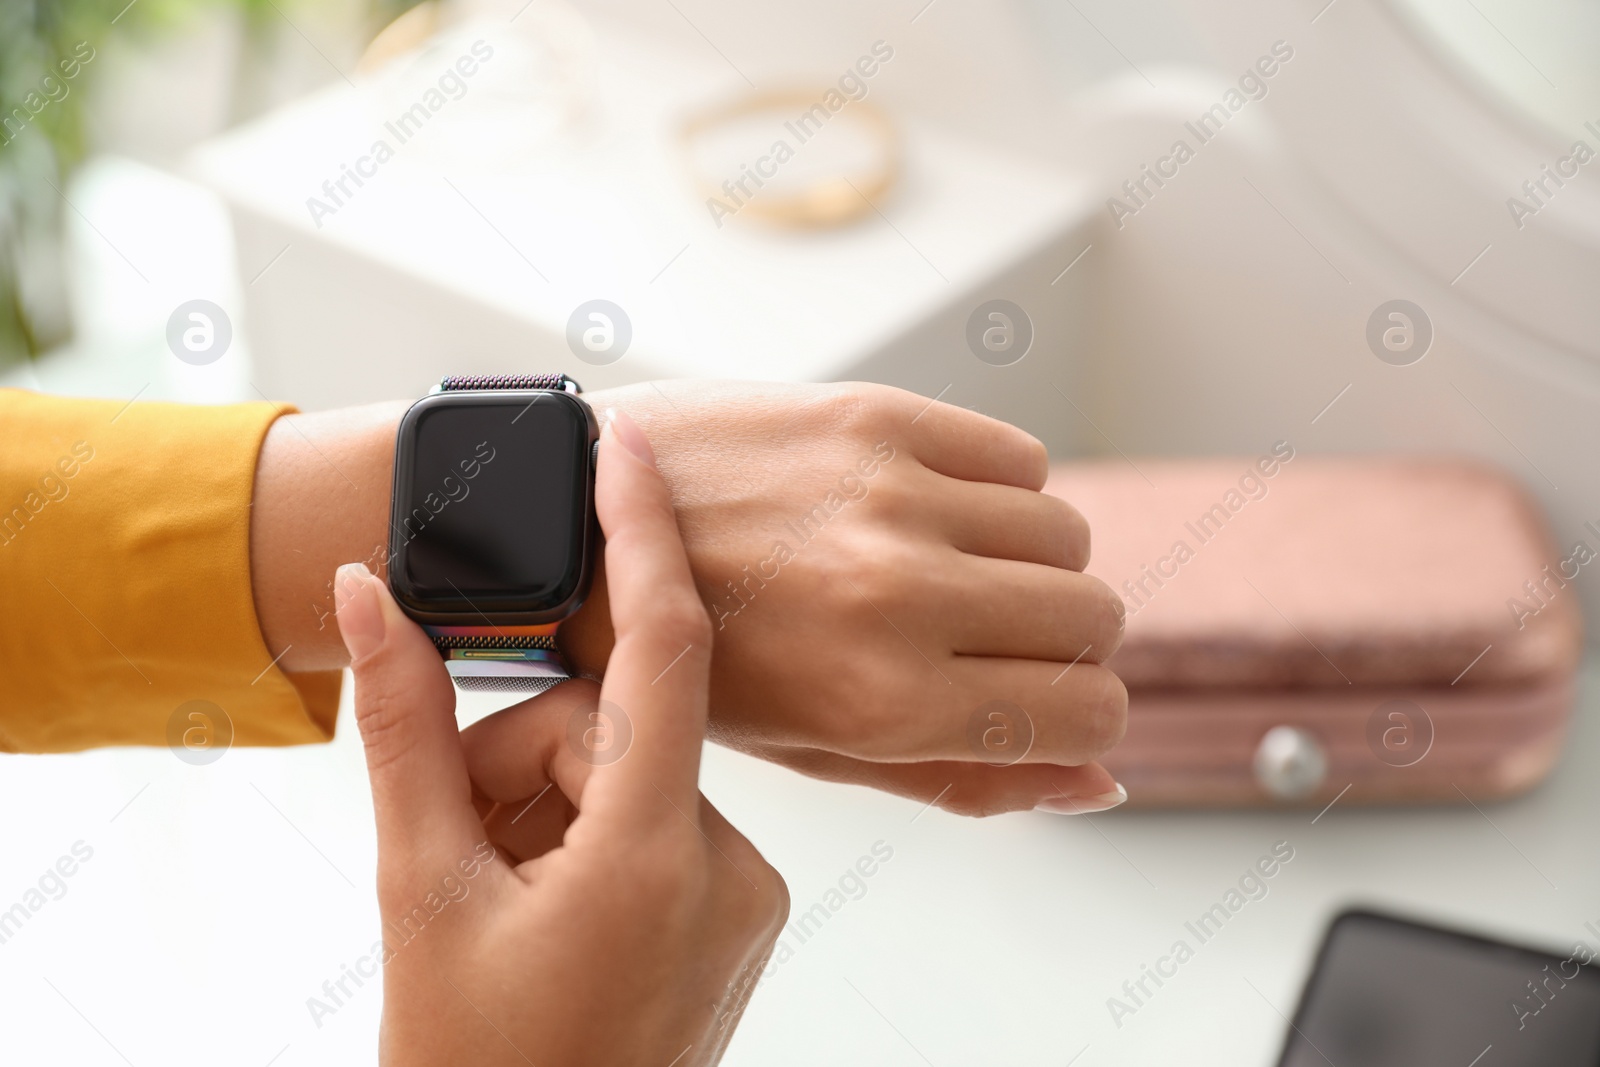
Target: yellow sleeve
[[125, 579]]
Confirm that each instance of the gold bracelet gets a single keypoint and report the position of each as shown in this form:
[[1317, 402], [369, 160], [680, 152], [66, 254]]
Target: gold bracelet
[[826, 203]]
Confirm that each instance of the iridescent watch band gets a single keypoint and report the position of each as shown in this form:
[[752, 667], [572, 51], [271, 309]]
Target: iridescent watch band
[[506, 659]]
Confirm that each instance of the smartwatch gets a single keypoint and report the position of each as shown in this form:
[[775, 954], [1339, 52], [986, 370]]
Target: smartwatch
[[492, 532]]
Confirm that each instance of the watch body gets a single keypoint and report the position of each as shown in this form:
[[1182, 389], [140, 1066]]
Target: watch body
[[492, 530]]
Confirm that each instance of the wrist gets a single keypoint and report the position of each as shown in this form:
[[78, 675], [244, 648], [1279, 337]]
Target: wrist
[[321, 499]]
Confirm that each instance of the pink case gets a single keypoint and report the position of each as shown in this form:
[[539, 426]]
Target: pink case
[[1300, 629]]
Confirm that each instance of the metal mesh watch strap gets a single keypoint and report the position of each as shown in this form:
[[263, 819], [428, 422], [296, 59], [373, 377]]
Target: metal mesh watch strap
[[502, 659], [510, 659], [456, 383]]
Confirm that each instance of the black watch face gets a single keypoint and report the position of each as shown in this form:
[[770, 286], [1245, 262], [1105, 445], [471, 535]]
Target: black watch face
[[492, 502]]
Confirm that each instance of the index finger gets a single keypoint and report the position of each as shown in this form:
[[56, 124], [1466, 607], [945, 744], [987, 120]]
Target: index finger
[[658, 679], [975, 448]]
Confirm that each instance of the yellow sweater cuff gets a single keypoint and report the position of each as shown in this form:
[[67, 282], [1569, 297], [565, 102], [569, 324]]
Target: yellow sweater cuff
[[125, 566]]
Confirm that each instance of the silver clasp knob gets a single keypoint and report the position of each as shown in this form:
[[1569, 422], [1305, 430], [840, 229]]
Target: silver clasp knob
[[1290, 763]]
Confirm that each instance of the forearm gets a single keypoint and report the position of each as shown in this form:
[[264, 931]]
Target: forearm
[[321, 499]]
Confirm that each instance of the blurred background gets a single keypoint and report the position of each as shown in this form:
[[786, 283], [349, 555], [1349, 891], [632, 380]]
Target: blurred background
[[361, 195]]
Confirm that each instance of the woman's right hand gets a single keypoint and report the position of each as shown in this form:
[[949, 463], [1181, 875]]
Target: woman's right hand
[[546, 900]]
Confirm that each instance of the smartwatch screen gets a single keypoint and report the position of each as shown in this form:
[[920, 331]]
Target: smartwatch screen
[[492, 502]]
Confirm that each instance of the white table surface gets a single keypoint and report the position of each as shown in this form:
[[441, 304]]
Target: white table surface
[[218, 899]]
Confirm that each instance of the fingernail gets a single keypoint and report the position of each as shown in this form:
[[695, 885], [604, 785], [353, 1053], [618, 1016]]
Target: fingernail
[[627, 431], [1084, 805], [360, 612]]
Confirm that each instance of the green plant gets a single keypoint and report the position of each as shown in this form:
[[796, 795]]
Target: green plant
[[43, 135], [41, 127]]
